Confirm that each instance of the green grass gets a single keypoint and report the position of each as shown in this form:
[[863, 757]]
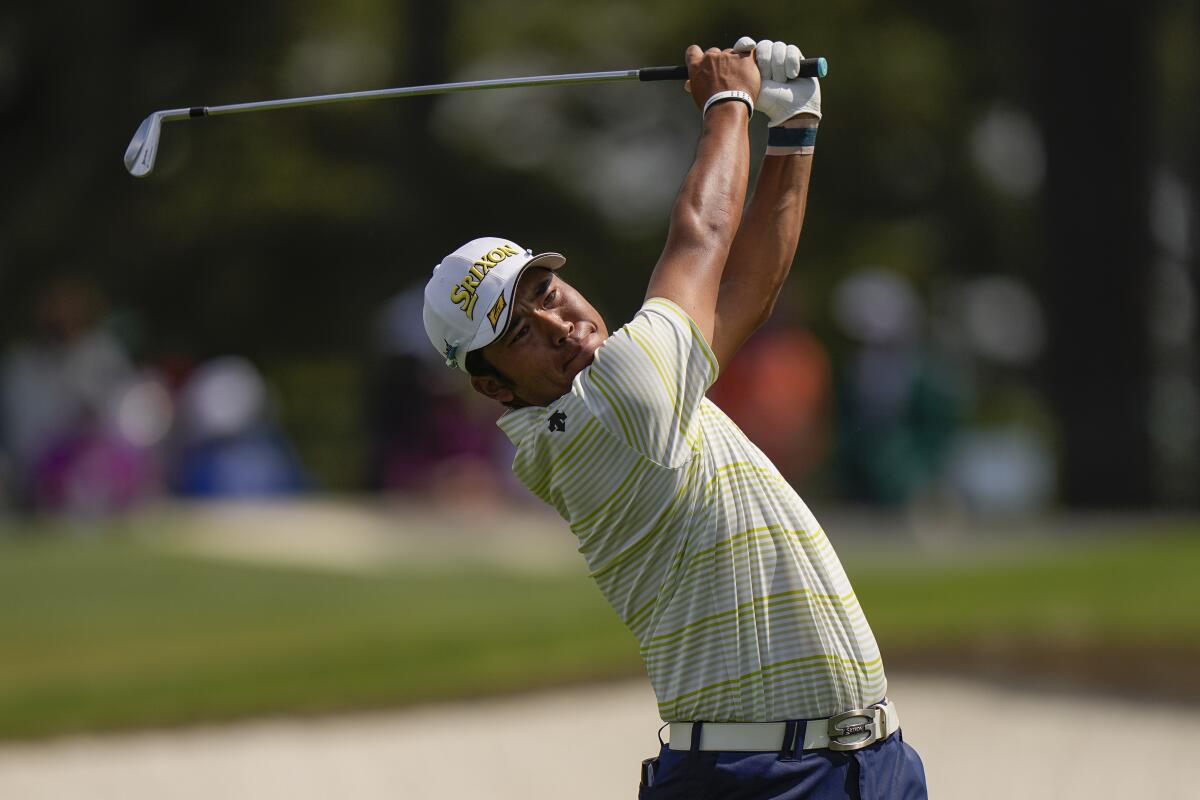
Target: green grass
[[109, 632], [1138, 589], [113, 634]]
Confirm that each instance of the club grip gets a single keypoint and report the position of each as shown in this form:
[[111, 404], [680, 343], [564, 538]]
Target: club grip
[[809, 68]]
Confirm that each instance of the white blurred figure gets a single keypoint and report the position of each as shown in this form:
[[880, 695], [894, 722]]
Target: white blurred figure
[[1008, 151], [227, 443], [1001, 471], [1002, 463]]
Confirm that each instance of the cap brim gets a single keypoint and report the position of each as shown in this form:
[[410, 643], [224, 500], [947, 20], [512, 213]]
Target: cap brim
[[551, 261], [547, 260]]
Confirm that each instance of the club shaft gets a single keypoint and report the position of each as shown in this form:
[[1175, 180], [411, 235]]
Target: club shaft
[[143, 148], [409, 91], [809, 68]]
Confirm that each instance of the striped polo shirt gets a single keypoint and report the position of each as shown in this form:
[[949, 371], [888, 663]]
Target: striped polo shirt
[[742, 609]]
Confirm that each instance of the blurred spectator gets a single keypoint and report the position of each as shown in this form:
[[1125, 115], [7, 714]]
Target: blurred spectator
[[430, 434], [1001, 470], [1001, 462], [57, 394], [898, 408], [227, 445], [777, 389]]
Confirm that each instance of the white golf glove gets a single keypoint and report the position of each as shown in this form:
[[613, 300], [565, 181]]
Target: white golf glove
[[782, 95]]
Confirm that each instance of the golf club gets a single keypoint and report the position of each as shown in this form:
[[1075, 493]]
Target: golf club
[[143, 148]]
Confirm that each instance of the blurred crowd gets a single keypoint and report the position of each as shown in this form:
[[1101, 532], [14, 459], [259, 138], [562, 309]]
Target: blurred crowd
[[86, 429], [914, 399]]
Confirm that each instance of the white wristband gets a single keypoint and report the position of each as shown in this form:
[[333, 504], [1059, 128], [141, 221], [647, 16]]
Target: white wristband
[[729, 94]]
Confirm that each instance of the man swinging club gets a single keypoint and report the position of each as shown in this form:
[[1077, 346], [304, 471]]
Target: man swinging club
[[758, 651]]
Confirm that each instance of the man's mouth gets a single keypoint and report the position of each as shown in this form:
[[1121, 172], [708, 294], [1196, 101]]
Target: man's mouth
[[575, 351], [578, 354]]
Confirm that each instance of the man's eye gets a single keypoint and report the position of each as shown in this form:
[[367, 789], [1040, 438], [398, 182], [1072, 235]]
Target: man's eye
[[550, 297], [521, 332]]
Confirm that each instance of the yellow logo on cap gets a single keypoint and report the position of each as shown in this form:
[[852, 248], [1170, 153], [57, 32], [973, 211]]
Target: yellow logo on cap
[[463, 295], [497, 309]]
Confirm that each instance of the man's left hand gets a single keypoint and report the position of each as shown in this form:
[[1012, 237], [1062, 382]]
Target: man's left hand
[[783, 95]]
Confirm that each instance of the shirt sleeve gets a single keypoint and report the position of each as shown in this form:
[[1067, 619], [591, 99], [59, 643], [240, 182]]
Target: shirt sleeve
[[647, 381]]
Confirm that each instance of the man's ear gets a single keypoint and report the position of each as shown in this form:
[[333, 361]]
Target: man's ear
[[492, 388]]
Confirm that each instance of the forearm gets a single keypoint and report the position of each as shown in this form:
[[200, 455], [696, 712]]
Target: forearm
[[706, 216], [707, 212], [762, 253]]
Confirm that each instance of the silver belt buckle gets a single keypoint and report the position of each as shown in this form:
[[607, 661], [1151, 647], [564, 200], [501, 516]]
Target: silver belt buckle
[[871, 729]]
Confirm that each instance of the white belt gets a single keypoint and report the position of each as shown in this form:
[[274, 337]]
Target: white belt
[[851, 730]]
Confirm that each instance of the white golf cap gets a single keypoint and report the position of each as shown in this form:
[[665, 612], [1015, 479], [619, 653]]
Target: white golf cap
[[469, 298]]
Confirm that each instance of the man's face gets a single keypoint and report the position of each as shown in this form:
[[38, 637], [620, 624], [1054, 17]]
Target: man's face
[[552, 335]]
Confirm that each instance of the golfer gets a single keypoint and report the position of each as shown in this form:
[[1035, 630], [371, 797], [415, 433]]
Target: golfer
[[762, 661]]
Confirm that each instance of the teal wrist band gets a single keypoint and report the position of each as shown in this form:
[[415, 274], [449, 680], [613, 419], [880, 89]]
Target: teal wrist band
[[791, 137]]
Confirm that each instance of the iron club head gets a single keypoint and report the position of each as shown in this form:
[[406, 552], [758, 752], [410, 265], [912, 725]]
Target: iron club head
[[143, 147]]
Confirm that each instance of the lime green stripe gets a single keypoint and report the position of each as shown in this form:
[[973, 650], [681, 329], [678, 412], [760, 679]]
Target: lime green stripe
[[585, 522], [794, 633], [719, 471], [656, 363], [573, 458], [624, 417], [765, 601], [770, 531], [773, 669], [737, 468], [638, 615], [677, 402], [732, 646], [804, 633], [670, 511], [817, 678], [586, 433], [687, 578], [824, 698], [697, 334], [821, 698]]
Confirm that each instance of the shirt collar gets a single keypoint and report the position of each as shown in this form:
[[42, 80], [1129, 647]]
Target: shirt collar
[[518, 422]]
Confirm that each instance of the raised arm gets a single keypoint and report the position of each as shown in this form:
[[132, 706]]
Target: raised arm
[[708, 210], [762, 252]]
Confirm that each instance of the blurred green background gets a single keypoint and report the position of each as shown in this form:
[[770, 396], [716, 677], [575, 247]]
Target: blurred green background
[[991, 328], [1017, 180]]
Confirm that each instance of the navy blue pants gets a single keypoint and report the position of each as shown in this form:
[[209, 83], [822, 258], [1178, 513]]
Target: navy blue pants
[[887, 770]]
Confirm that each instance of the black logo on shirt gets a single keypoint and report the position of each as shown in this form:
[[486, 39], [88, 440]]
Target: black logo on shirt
[[558, 421]]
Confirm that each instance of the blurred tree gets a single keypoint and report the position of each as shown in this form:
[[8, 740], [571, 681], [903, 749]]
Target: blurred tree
[[1095, 104], [277, 235]]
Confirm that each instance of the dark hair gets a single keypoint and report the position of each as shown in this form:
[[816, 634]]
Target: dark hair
[[479, 367]]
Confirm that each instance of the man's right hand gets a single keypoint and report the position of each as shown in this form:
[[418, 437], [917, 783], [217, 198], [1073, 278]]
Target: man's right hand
[[717, 70]]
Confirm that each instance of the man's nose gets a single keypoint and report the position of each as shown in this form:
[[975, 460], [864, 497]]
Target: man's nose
[[559, 329]]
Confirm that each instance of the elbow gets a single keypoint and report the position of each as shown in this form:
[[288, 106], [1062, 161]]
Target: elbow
[[763, 311], [704, 228], [760, 319]]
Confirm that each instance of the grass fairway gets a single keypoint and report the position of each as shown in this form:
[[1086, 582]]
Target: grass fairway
[[113, 634], [1120, 614], [109, 632], [1137, 589]]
